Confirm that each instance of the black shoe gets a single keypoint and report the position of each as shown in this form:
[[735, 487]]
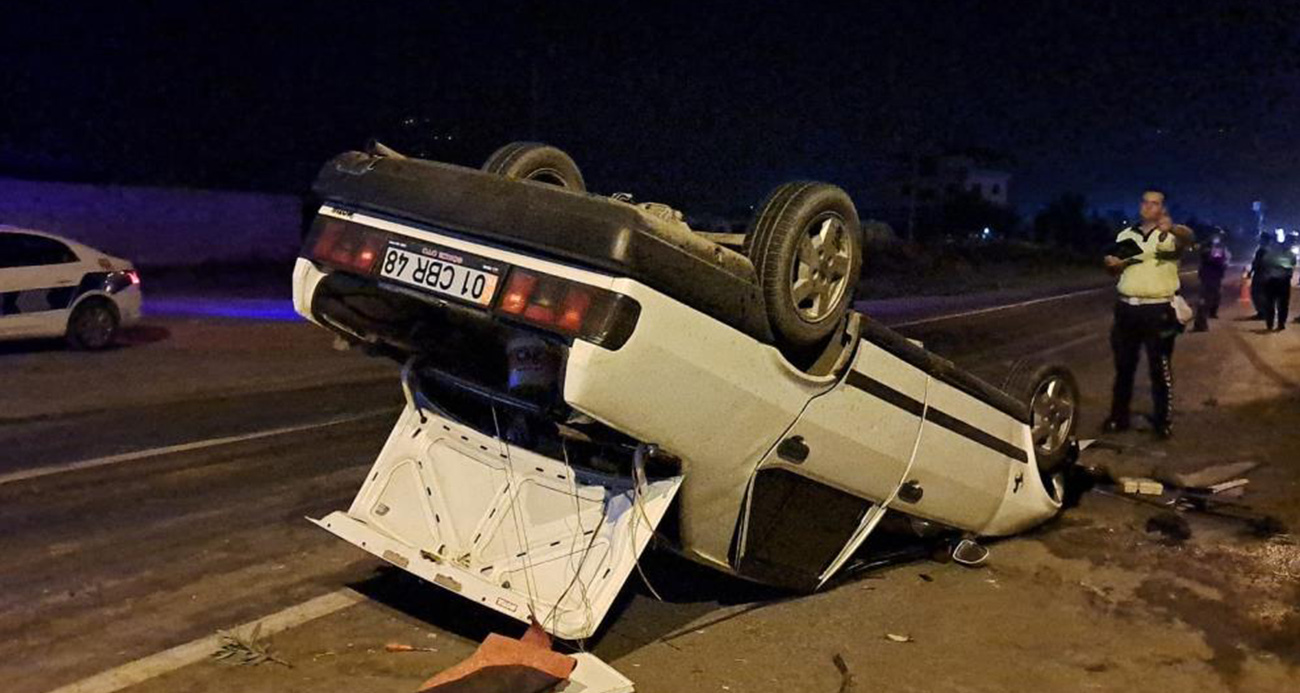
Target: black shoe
[[1114, 425]]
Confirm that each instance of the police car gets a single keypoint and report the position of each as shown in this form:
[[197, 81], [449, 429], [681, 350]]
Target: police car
[[583, 373], [54, 287]]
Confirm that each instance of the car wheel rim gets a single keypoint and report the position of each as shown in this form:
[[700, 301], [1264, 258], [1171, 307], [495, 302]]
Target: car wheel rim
[[820, 276], [1053, 410], [95, 327]]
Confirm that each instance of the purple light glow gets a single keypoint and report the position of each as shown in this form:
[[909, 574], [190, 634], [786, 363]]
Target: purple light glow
[[273, 309]]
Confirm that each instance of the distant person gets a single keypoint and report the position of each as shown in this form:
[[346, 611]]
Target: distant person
[[1146, 257], [1215, 258], [1273, 268], [1257, 287]]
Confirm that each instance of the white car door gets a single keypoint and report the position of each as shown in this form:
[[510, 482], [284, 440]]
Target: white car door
[[38, 280], [821, 490], [968, 454]]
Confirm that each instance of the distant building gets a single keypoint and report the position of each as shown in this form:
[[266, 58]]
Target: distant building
[[936, 179], [916, 188]]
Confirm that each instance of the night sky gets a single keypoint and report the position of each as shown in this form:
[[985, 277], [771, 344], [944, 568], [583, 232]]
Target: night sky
[[702, 105]]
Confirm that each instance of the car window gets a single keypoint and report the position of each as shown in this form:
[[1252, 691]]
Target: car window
[[26, 250]]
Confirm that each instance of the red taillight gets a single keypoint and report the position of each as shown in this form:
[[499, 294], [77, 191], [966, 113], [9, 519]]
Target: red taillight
[[575, 309], [347, 245], [134, 276], [327, 237], [576, 302], [518, 292]]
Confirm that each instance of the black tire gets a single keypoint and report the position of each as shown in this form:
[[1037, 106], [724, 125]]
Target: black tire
[[538, 162], [1052, 394], [808, 234], [93, 325]]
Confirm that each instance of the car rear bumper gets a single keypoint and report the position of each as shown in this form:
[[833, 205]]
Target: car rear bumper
[[129, 302], [609, 236]]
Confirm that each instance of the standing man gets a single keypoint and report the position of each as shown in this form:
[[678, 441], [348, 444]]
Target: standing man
[[1145, 257], [1214, 265], [1257, 286], [1272, 269]]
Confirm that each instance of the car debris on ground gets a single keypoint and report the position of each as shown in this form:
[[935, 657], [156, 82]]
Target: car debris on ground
[[1140, 486], [527, 665], [1214, 490]]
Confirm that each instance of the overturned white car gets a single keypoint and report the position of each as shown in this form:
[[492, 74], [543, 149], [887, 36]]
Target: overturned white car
[[583, 373]]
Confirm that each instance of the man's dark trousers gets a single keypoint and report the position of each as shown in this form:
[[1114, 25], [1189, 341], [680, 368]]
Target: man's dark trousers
[[1277, 300], [1211, 297], [1212, 291], [1151, 328]]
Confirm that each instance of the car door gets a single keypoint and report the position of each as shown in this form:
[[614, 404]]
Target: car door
[[821, 490], [38, 280], [965, 462]]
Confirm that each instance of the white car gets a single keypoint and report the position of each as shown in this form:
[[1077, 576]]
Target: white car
[[54, 287], [583, 373]]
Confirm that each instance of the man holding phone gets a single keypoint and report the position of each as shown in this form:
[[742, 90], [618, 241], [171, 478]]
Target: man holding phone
[[1145, 257]]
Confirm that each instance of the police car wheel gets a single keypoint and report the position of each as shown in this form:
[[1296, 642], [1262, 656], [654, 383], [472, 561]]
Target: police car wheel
[[93, 325], [536, 162]]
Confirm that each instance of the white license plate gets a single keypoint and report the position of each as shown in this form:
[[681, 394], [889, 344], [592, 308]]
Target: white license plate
[[441, 271]]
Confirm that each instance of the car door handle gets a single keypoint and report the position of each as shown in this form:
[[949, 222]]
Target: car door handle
[[793, 450], [911, 492]]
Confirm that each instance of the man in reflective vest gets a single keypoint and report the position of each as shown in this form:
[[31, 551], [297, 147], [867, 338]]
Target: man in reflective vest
[[1145, 257]]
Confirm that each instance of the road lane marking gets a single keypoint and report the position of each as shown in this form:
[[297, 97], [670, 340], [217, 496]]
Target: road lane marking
[[1009, 306], [994, 309], [25, 474], [143, 669]]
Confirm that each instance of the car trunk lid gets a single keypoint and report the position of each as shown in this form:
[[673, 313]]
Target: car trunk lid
[[528, 536]]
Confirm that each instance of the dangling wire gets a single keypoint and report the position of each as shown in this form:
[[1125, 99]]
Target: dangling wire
[[638, 480], [577, 570], [521, 531]]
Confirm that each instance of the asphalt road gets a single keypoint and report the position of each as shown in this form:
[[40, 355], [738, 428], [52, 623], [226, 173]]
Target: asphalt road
[[102, 565]]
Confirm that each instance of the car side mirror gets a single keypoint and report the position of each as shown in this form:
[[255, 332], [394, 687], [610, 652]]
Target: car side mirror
[[970, 553]]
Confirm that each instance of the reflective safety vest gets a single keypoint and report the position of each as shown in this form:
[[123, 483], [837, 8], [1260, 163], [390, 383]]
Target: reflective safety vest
[[1278, 262], [1152, 278]]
